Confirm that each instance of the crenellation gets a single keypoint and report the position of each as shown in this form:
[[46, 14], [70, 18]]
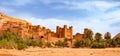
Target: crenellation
[[64, 32], [65, 26]]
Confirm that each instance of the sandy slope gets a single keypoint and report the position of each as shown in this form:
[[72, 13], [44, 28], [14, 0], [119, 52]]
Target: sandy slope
[[61, 52]]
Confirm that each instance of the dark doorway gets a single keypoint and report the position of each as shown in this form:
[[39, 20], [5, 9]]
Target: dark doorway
[[42, 37]]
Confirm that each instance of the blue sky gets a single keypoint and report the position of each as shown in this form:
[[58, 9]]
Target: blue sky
[[99, 15]]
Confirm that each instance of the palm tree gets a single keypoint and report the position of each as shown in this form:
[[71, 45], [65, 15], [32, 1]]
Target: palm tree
[[108, 40], [107, 35], [98, 36], [88, 33]]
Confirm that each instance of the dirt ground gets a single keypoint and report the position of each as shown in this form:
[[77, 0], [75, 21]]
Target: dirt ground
[[61, 52]]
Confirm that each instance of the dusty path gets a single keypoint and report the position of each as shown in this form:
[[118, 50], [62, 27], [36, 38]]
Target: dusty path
[[61, 52]]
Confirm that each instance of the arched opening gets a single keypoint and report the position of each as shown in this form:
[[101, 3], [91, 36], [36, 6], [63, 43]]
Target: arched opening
[[41, 36]]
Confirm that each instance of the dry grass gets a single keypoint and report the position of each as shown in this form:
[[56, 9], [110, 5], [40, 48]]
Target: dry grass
[[61, 52]]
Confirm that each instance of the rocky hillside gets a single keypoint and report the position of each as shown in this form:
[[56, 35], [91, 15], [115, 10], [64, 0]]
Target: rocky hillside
[[16, 25], [22, 27], [4, 18]]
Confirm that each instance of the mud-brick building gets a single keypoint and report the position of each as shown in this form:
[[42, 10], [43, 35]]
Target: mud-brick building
[[64, 32], [26, 30]]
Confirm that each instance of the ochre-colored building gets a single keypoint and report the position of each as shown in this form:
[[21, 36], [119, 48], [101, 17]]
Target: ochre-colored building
[[78, 36], [64, 32], [26, 30]]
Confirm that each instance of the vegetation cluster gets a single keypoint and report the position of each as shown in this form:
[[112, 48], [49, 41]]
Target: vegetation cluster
[[10, 40]]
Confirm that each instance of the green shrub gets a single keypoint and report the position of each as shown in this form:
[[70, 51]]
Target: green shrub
[[78, 43], [59, 43], [48, 44], [21, 46], [65, 42], [10, 40], [40, 43], [118, 41], [12, 43], [31, 42], [86, 43], [110, 43], [97, 45], [7, 44], [113, 43], [82, 43]]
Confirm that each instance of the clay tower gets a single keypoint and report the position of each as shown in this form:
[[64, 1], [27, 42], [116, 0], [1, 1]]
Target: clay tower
[[64, 32]]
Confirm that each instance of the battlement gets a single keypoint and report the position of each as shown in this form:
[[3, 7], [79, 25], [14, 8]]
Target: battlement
[[64, 32]]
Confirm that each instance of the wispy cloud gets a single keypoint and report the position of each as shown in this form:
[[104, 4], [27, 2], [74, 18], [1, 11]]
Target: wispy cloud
[[88, 5], [17, 2]]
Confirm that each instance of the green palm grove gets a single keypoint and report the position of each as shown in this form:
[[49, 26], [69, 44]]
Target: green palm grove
[[10, 40]]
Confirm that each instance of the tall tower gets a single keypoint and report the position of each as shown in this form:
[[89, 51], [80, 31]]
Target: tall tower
[[58, 34], [71, 32], [64, 32]]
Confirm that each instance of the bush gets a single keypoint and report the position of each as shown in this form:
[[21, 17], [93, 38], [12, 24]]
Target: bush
[[7, 44], [86, 43], [21, 46], [59, 43], [97, 45], [40, 43], [10, 40], [65, 43], [14, 41], [48, 44], [78, 43], [31, 42], [118, 41], [110, 43], [113, 43]]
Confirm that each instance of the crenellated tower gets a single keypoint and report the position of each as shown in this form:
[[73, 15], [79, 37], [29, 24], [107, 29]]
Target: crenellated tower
[[64, 32]]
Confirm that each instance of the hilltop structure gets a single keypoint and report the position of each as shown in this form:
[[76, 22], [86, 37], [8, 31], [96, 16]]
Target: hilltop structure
[[26, 29]]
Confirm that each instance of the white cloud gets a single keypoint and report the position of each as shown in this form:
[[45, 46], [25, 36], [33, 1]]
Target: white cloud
[[88, 5], [100, 23], [114, 15], [102, 5]]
